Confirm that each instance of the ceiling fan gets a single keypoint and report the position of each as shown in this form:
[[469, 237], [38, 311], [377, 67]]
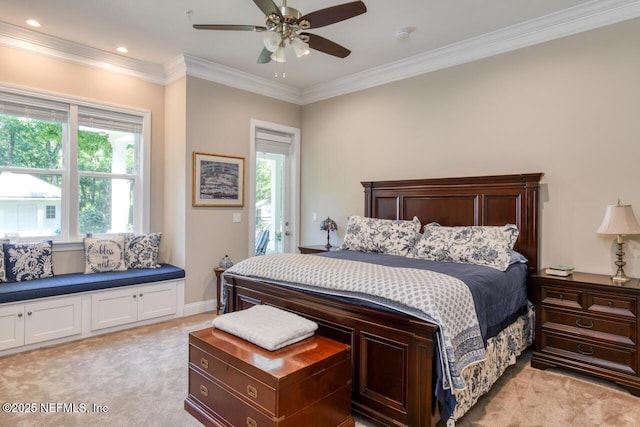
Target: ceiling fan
[[285, 25]]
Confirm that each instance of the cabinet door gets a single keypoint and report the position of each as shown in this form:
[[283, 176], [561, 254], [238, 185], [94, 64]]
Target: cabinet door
[[11, 326], [114, 308], [51, 319], [157, 300]]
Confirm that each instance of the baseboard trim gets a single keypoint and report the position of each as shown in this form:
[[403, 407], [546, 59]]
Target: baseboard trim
[[199, 307]]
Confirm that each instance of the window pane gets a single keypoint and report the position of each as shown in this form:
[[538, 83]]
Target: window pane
[[107, 141], [30, 142], [25, 200], [106, 205]]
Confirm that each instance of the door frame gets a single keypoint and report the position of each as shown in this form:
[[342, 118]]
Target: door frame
[[294, 184]]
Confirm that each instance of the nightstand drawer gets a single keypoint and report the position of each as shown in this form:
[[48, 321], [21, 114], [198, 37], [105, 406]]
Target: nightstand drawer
[[610, 357], [612, 330], [564, 297], [620, 305]]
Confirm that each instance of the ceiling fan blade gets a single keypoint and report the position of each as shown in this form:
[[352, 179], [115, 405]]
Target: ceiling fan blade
[[268, 7], [317, 42], [265, 56], [228, 27], [334, 14]]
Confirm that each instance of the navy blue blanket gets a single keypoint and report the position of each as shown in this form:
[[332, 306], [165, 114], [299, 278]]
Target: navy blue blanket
[[499, 297], [78, 282]]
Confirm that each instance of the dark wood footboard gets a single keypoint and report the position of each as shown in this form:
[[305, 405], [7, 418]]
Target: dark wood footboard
[[392, 353]]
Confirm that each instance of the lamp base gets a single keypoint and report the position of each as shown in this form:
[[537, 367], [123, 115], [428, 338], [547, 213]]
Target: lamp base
[[620, 277]]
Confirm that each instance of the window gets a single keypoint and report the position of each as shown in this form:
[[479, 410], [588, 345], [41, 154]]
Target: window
[[50, 212], [84, 161]]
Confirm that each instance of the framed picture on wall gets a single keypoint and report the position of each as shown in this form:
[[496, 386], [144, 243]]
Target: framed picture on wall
[[218, 180]]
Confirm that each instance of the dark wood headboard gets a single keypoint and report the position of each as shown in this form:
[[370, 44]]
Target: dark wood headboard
[[480, 200]]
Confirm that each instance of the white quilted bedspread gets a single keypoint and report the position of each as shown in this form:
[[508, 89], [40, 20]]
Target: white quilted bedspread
[[431, 296]]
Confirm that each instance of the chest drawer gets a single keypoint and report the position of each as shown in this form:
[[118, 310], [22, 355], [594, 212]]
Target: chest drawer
[[620, 305], [619, 331], [563, 297], [621, 359], [243, 384]]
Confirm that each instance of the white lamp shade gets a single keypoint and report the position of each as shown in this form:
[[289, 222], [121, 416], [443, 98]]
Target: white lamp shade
[[299, 47], [278, 55], [272, 41], [619, 219]]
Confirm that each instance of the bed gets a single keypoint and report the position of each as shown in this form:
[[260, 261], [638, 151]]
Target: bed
[[397, 356]]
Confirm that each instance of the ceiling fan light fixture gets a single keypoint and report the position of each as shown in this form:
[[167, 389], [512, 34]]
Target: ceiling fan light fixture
[[272, 41], [299, 47], [278, 55]]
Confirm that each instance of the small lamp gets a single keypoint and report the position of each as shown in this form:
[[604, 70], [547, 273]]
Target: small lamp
[[619, 220], [328, 225]]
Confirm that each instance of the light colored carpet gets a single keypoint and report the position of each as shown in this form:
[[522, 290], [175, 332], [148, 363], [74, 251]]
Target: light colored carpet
[[140, 376]]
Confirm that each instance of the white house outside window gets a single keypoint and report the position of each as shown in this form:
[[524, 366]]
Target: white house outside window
[[71, 168]]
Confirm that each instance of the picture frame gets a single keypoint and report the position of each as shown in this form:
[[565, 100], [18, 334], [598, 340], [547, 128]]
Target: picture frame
[[218, 180]]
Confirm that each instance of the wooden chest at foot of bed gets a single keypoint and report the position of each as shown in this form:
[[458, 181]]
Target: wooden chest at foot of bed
[[235, 383]]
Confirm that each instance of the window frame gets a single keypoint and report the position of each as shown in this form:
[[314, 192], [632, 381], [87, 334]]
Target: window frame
[[70, 237]]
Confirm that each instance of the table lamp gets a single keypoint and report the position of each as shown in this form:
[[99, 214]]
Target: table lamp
[[328, 225], [619, 220]]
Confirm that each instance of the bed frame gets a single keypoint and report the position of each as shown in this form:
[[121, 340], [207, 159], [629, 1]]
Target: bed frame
[[393, 354]]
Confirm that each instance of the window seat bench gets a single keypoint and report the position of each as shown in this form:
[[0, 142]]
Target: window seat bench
[[71, 283], [71, 306]]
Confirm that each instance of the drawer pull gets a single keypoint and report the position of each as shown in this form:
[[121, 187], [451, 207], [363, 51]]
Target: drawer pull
[[582, 325], [561, 296], [204, 391], [585, 352], [610, 303], [204, 363], [251, 422], [252, 391]]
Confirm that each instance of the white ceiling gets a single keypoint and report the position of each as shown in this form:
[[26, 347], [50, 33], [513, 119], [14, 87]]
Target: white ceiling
[[157, 32]]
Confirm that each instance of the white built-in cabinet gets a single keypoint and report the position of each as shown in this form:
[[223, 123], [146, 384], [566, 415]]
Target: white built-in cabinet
[[26, 325], [131, 304], [39, 320]]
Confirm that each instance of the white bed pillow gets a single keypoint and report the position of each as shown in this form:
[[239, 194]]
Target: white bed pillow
[[480, 245], [385, 236]]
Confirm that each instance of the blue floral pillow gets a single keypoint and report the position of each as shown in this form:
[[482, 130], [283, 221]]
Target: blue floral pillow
[[141, 251], [481, 245], [3, 271], [385, 236], [104, 254], [28, 261]]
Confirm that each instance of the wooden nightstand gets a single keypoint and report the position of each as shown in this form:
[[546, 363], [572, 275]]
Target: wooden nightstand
[[315, 249], [587, 323]]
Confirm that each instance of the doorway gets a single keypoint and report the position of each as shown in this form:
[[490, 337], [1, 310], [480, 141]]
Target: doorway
[[274, 188]]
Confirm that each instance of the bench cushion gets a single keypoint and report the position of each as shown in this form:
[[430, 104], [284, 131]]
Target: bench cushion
[[63, 284]]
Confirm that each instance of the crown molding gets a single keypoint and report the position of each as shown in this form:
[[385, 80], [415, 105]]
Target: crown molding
[[588, 16], [197, 67], [595, 14], [35, 42]]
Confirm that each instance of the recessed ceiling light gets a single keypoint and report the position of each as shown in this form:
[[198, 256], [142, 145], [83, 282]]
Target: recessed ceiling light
[[122, 49], [33, 22]]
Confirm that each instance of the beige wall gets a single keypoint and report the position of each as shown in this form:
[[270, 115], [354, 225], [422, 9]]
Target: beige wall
[[569, 108], [43, 73], [218, 122]]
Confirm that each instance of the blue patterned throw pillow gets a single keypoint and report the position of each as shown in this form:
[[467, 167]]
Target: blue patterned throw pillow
[[28, 261], [385, 236], [3, 271], [481, 245], [141, 251], [104, 254]]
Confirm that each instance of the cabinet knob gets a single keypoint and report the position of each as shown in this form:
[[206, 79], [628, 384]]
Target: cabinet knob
[[251, 422], [19, 314], [140, 295], [610, 303], [561, 296], [204, 390], [135, 296], [29, 313]]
